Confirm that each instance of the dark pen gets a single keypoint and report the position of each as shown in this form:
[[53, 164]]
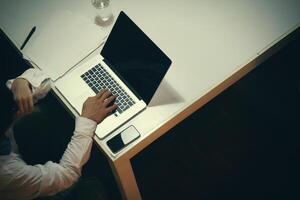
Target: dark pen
[[28, 37]]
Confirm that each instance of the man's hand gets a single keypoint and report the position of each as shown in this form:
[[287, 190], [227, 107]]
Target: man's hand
[[98, 107], [23, 96]]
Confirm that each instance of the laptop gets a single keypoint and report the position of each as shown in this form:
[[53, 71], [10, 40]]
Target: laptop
[[130, 65]]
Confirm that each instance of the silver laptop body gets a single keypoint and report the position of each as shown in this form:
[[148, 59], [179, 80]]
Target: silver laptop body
[[132, 75]]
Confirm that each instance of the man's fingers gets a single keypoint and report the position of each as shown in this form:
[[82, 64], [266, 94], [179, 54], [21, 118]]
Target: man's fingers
[[100, 93], [105, 95], [30, 104], [111, 108], [109, 100], [20, 105], [25, 105]]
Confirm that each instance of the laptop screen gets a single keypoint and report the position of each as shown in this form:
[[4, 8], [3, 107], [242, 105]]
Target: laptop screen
[[135, 58]]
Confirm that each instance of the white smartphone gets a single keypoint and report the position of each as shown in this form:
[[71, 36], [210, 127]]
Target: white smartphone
[[121, 140]]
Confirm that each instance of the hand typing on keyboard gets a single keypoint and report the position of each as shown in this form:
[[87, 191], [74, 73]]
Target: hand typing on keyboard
[[98, 78], [98, 107]]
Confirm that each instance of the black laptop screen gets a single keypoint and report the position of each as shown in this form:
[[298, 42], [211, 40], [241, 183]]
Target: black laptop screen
[[135, 58]]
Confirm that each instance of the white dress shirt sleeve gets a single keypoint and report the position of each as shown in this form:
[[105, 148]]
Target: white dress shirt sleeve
[[59, 176], [21, 181]]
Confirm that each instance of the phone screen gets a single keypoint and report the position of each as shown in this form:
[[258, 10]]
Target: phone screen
[[122, 139]]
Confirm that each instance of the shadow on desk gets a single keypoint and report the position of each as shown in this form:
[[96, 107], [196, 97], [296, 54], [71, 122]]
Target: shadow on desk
[[165, 94]]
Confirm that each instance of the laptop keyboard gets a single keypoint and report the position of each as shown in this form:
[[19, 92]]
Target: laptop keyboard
[[98, 78]]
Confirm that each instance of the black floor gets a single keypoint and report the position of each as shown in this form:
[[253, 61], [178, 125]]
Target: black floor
[[244, 144]]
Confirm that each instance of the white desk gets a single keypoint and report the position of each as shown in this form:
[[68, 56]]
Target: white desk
[[212, 45]]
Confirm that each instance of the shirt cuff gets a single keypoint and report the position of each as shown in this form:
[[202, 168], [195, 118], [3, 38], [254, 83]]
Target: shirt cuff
[[34, 76], [85, 126]]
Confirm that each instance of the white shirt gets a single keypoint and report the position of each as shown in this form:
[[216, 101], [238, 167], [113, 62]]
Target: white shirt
[[21, 181]]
